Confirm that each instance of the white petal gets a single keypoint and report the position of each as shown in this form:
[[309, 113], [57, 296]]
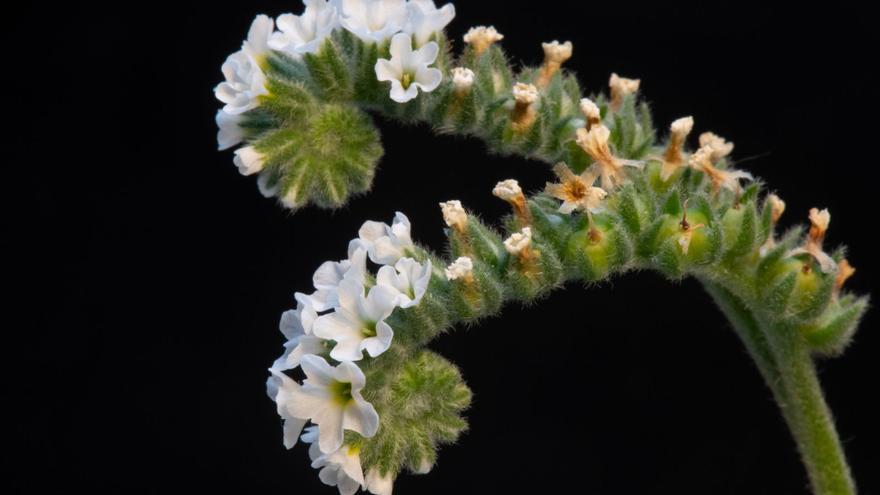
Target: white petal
[[361, 416], [292, 428], [387, 70], [428, 79], [381, 342], [317, 370], [427, 54], [378, 484], [401, 95], [401, 48]]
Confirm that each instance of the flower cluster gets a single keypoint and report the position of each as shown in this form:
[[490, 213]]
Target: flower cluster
[[407, 23], [343, 321]]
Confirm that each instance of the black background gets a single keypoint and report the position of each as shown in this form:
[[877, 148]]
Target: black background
[[156, 273]]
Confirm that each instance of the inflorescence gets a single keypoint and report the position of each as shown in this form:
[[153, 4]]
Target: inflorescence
[[377, 400]]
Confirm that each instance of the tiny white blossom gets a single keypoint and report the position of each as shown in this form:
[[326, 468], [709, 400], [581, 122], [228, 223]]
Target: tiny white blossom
[[304, 33], [230, 133], [296, 325], [454, 214], [408, 70], [408, 279], [508, 190], [425, 19], [329, 275], [331, 398], [358, 323], [387, 244], [245, 80], [518, 241], [462, 268], [462, 79], [248, 160], [373, 21], [378, 484]]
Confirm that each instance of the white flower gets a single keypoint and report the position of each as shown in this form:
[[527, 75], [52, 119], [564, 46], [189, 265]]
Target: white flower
[[230, 133], [819, 221], [331, 398], [408, 70], [425, 19], [328, 276], [518, 241], [358, 324], [304, 33], [462, 268], [701, 161], [680, 128], [341, 469], [454, 214], [296, 325], [373, 21], [408, 279], [280, 389], [245, 80], [595, 143], [462, 79], [378, 484], [248, 160], [508, 190], [387, 244]]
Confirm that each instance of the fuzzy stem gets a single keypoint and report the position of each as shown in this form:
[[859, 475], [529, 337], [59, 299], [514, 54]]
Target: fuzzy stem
[[786, 365]]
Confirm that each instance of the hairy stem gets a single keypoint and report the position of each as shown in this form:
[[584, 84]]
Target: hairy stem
[[786, 365]]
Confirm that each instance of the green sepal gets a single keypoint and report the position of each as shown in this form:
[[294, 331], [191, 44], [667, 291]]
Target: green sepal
[[741, 231], [482, 297], [834, 331], [329, 71]]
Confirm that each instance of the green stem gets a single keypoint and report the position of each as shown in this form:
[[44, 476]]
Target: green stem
[[787, 366]]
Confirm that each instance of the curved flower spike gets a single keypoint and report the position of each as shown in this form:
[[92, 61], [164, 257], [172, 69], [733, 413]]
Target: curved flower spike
[[373, 21], [387, 244], [408, 70], [425, 19], [408, 280], [331, 398], [304, 33], [358, 324]]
